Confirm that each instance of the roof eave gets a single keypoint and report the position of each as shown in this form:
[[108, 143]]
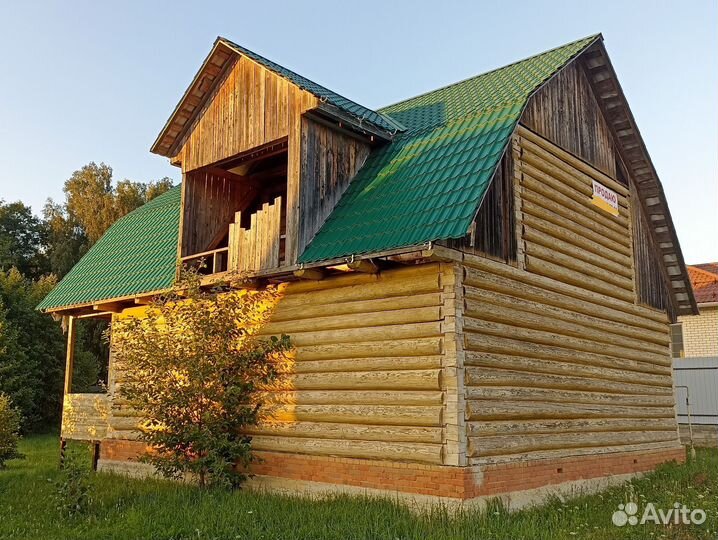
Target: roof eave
[[635, 156]]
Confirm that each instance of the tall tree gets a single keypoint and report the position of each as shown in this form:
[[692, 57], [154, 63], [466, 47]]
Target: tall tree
[[23, 239], [93, 202]]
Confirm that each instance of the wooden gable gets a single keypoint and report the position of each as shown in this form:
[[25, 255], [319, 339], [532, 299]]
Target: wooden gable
[[249, 107]]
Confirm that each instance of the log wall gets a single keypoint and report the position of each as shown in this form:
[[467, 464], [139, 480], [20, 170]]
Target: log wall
[[374, 373], [560, 359], [85, 417]]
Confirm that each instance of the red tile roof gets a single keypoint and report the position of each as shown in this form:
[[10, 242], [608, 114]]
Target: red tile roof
[[704, 278]]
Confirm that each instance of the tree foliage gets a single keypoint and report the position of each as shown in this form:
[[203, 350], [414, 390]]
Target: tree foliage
[[23, 238], [193, 366], [34, 253], [32, 349], [9, 430]]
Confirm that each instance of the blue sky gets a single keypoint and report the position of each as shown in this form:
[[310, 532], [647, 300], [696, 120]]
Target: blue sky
[[95, 81]]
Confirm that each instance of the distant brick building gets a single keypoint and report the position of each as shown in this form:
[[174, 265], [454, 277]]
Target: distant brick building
[[696, 336]]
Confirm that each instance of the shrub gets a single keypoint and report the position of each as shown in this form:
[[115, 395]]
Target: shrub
[[9, 430], [193, 367], [73, 493]]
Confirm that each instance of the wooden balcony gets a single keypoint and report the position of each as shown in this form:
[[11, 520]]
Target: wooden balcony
[[258, 248], [85, 416]]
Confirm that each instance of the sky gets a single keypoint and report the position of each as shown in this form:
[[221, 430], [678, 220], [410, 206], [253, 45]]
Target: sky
[[96, 81]]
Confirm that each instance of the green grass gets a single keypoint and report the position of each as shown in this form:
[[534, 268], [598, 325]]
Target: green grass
[[133, 509]]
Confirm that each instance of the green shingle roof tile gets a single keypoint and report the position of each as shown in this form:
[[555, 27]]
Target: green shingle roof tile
[[136, 255], [428, 183], [424, 186]]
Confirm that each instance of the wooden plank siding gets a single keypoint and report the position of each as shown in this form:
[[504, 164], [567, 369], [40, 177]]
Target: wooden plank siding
[[566, 112], [329, 161], [373, 374], [560, 359], [215, 197], [250, 108]]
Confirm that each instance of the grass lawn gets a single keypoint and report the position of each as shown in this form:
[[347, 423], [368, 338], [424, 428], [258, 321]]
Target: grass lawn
[[133, 509]]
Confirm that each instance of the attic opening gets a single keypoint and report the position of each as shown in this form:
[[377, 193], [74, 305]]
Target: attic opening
[[234, 212]]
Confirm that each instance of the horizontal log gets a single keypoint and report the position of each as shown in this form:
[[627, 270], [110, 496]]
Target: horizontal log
[[576, 272], [354, 432], [529, 138], [566, 367], [555, 285], [577, 252], [621, 322], [367, 380], [284, 313], [572, 218], [483, 377], [380, 288], [525, 410], [536, 215], [547, 187], [413, 347], [563, 308], [585, 240], [333, 321], [570, 182], [351, 397], [501, 308], [574, 452], [347, 365], [350, 279], [415, 452], [395, 332], [545, 338], [582, 425], [507, 445], [552, 395], [358, 414]]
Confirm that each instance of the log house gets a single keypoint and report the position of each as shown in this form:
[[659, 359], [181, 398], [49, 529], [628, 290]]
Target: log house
[[478, 281]]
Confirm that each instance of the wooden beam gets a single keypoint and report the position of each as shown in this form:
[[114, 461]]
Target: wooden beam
[[70, 357], [143, 301], [315, 274], [364, 265], [112, 307]]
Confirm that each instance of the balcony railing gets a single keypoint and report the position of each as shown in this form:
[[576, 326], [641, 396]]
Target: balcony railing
[[258, 247], [249, 250]]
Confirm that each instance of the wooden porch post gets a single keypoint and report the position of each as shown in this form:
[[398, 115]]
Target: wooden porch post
[[70, 359], [69, 363]]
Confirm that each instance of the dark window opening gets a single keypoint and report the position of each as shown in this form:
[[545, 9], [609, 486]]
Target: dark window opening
[[92, 356]]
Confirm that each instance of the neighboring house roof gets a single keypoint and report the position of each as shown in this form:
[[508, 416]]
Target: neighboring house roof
[[426, 185], [704, 278], [136, 255], [429, 182]]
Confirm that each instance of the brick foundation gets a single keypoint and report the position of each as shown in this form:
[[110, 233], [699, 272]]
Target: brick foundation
[[436, 480]]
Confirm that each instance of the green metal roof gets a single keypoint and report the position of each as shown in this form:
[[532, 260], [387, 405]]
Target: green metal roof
[[428, 183], [424, 186], [136, 255], [359, 111]]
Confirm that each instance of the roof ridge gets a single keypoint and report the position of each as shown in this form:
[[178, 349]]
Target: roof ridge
[[592, 37], [240, 48]]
